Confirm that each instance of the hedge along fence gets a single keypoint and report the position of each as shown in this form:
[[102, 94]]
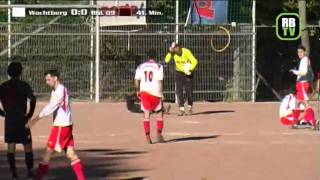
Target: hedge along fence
[[75, 73]]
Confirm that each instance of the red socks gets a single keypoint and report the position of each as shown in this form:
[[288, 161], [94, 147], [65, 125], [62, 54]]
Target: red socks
[[76, 166], [78, 170], [146, 125], [296, 114], [310, 117], [42, 171], [159, 125]]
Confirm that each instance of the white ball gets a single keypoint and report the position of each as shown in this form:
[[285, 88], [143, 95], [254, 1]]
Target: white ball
[[187, 66]]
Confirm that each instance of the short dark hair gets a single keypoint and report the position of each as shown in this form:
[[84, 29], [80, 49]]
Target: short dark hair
[[178, 45], [151, 54], [302, 47], [14, 69], [52, 72]]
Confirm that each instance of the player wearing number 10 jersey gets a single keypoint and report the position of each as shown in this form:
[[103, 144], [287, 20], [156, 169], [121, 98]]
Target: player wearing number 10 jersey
[[148, 82]]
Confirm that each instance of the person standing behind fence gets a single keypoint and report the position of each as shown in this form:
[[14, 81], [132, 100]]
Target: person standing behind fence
[[14, 94], [304, 77], [185, 65]]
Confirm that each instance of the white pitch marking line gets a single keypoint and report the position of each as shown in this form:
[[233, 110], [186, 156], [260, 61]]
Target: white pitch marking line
[[251, 142], [296, 133], [90, 142], [243, 142], [289, 133], [224, 142], [203, 134], [192, 122], [178, 134], [231, 134]]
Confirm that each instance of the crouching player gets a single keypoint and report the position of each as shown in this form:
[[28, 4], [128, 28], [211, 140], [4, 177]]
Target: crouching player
[[148, 83], [61, 137], [287, 108], [304, 77]]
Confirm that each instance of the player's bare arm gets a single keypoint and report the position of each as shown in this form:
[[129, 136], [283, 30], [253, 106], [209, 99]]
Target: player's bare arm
[[2, 113], [170, 55], [55, 101], [32, 122], [47, 110], [137, 86], [318, 82], [160, 82]]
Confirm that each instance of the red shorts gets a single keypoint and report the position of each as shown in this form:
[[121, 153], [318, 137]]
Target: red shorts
[[302, 90], [60, 138], [288, 120], [149, 102]]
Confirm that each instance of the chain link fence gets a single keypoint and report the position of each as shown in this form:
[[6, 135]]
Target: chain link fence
[[68, 44], [223, 75], [40, 47]]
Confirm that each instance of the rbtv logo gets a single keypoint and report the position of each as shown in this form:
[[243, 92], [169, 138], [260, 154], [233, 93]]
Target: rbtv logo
[[288, 27]]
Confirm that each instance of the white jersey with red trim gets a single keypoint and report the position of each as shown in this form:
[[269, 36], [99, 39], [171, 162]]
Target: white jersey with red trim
[[59, 105], [287, 105], [149, 74], [303, 68]]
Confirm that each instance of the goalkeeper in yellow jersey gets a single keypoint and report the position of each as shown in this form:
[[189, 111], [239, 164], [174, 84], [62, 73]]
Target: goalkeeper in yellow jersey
[[185, 65]]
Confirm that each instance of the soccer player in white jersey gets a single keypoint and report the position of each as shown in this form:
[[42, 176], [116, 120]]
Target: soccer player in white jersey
[[148, 83], [60, 138], [304, 77]]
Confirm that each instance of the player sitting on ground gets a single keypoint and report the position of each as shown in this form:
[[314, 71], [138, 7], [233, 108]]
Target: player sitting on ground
[[287, 108], [14, 95], [304, 77], [61, 137], [148, 83]]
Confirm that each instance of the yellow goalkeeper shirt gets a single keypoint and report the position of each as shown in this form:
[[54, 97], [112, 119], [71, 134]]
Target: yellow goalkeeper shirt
[[186, 57]]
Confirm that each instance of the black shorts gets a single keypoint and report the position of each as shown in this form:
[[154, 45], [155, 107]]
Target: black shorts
[[15, 131]]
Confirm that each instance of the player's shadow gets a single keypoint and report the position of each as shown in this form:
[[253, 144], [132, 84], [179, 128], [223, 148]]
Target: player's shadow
[[191, 138], [97, 164], [135, 178], [213, 112]]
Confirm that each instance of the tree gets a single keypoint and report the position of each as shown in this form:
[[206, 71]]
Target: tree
[[308, 10], [303, 16], [313, 8]]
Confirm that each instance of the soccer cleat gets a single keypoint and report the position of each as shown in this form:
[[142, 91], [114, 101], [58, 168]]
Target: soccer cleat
[[148, 139], [166, 110], [189, 113], [303, 123], [160, 139], [15, 175], [181, 113], [316, 126], [30, 175], [294, 126]]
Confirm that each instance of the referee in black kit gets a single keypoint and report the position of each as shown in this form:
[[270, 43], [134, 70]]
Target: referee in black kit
[[14, 95], [185, 65]]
